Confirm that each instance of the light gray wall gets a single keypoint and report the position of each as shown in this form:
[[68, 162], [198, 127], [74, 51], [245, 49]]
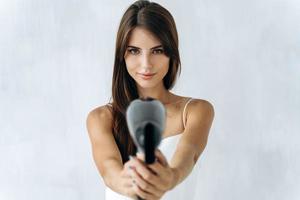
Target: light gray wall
[[56, 60]]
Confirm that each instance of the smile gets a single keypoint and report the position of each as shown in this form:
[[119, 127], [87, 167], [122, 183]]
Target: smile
[[146, 76]]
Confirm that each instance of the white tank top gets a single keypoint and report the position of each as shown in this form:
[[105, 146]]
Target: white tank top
[[186, 189]]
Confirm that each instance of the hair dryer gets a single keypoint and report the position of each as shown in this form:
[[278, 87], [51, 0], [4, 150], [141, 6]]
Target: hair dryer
[[146, 122]]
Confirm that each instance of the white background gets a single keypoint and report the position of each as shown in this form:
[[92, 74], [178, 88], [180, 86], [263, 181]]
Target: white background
[[56, 61]]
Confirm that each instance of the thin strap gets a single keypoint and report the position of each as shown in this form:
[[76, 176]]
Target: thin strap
[[109, 104], [183, 113]]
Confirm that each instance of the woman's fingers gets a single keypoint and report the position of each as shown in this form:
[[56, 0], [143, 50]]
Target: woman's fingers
[[144, 185], [143, 170], [140, 156], [156, 168], [134, 183], [143, 194], [127, 185], [148, 180], [161, 158], [161, 163], [140, 167]]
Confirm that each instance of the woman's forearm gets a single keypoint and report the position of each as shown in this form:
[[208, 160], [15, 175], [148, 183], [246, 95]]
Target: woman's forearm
[[111, 175], [183, 162], [182, 170]]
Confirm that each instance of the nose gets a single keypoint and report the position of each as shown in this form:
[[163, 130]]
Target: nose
[[146, 61]]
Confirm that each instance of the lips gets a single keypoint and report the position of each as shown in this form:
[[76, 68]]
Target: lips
[[146, 75]]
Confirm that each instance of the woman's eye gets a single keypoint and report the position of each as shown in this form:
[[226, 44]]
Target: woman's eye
[[133, 51], [158, 51]]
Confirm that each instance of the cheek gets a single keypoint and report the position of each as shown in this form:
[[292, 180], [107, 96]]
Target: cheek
[[128, 62], [165, 65], [130, 66]]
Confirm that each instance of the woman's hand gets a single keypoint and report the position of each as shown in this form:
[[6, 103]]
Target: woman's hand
[[152, 181], [126, 182], [133, 185]]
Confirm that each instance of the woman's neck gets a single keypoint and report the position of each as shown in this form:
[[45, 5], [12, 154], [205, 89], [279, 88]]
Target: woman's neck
[[162, 94]]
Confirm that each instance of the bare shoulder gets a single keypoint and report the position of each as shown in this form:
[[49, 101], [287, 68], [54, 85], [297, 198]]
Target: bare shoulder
[[99, 120], [101, 112], [202, 104], [200, 109]]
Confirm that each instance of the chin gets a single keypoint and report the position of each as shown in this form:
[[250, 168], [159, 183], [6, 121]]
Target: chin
[[146, 85]]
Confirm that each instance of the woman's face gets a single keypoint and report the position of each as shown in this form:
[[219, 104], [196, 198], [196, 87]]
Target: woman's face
[[145, 59]]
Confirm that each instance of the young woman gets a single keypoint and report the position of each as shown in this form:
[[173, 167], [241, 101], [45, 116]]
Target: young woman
[[146, 64]]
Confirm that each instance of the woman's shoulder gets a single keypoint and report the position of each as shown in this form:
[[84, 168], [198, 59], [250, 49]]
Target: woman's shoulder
[[195, 102], [195, 106], [200, 107], [200, 102], [100, 115], [102, 111]]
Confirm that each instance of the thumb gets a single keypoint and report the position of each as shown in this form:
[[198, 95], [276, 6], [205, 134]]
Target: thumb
[[140, 156], [161, 158]]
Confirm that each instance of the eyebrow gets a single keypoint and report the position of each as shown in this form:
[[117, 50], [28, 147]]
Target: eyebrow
[[140, 48]]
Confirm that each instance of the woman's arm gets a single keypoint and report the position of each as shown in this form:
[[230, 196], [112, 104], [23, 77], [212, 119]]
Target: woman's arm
[[199, 117], [104, 148]]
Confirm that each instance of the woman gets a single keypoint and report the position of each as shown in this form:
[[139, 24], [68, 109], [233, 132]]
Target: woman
[[146, 64]]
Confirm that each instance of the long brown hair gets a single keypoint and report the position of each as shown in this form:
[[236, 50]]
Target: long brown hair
[[160, 22]]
